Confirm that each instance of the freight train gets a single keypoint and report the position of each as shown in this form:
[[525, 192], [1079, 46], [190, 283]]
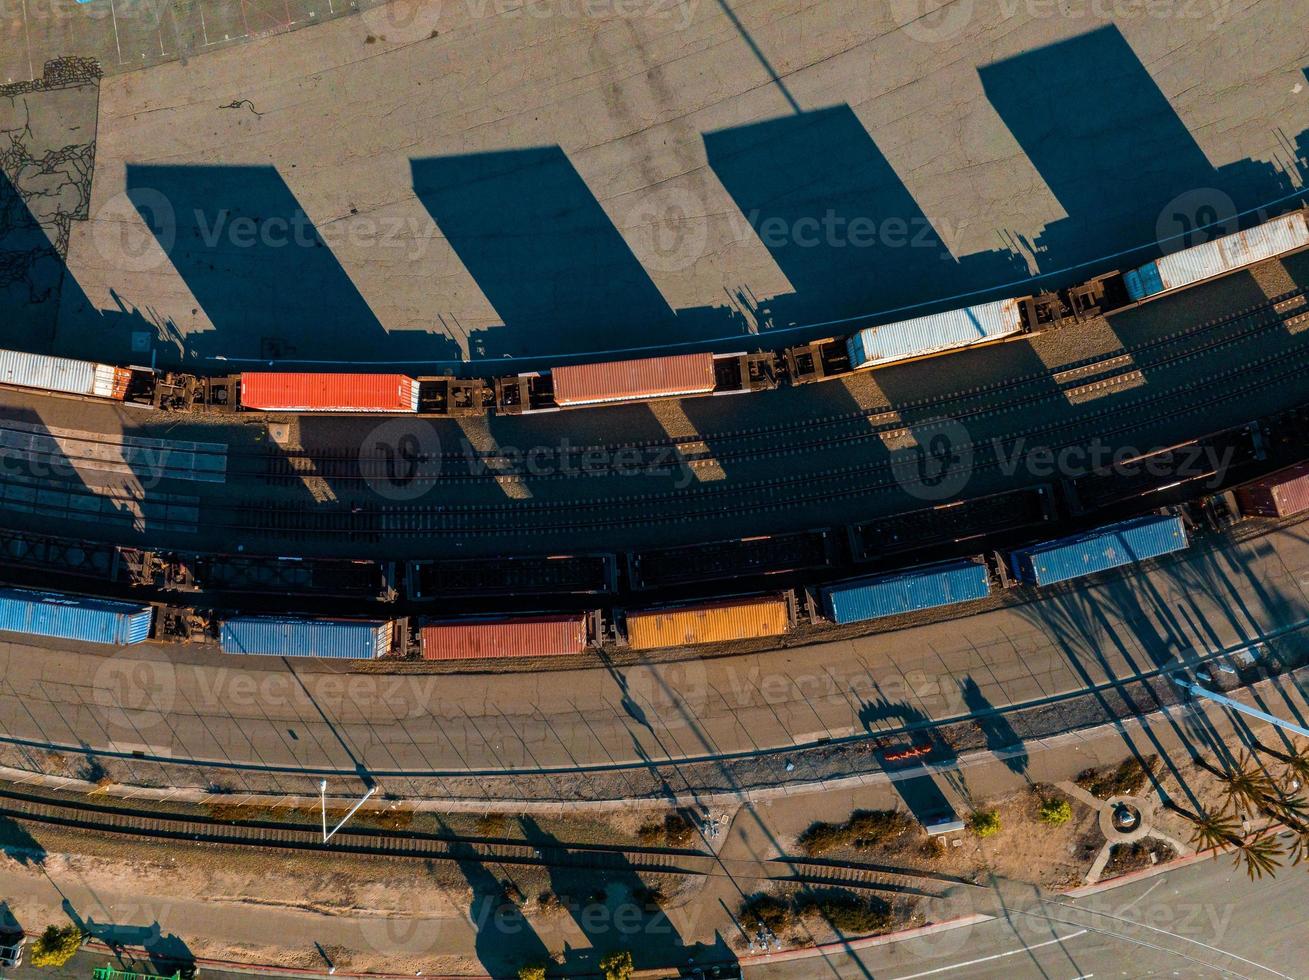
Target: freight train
[[674, 376], [1025, 560]]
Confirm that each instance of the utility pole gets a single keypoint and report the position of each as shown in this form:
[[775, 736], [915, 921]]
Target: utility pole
[[1237, 706]]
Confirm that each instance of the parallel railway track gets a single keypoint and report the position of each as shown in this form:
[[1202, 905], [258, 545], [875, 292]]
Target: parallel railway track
[[789, 438], [712, 500], [271, 835]]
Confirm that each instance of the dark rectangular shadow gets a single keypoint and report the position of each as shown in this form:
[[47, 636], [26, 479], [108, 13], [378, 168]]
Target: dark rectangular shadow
[[546, 255], [839, 221], [260, 270], [1115, 154]]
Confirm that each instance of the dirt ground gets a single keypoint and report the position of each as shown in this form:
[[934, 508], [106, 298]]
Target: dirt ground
[[1024, 849], [387, 912]]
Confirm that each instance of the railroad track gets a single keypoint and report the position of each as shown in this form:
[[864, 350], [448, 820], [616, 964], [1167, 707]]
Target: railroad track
[[866, 424], [726, 499], [402, 845], [735, 498], [713, 500]]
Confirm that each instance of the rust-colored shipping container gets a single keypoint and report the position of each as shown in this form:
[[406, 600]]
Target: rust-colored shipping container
[[711, 622], [1282, 494], [624, 381], [272, 391], [528, 636]]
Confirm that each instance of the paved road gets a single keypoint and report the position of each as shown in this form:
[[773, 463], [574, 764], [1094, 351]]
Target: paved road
[[436, 181], [255, 715], [1204, 921]]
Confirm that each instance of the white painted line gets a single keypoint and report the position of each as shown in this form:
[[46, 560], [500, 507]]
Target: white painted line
[[997, 956], [27, 43], [114, 14]]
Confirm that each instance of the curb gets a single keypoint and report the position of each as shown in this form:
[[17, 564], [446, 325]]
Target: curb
[[868, 942]]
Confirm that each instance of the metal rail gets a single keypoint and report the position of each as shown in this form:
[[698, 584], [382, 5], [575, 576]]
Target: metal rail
[[404, 845]]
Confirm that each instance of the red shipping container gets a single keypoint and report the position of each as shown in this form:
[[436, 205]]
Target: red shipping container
[[1282, 494], [621, 381], [532, 636], [272, 391]]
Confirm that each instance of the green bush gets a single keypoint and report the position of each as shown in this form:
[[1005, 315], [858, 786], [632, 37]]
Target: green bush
[[870, 828], [532, 972], [849, 915], [1055, 813], [55, 946], [985, 823], [768, 912], [1128, 778], [866, 829], [823, 838], [617, 966], [674, 830]]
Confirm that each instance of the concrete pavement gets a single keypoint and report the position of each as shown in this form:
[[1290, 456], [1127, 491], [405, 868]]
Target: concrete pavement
[[483, 180], [1204, 921], [279, 718]]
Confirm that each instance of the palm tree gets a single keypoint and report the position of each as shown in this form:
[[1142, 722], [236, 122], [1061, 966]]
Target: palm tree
[[1296, 761], [1298, 848], [1212, 831], [1247, 786], [1287, 809], [1261, 855]]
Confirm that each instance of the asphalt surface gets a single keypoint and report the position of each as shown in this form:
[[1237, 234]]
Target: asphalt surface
[[256, 721], [1207, 920]]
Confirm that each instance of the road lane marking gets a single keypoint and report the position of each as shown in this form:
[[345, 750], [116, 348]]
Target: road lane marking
[[997, 956]]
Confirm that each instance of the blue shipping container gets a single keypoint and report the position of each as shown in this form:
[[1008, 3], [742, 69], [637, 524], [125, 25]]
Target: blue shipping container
[[1099, 550], [1143, 282], [1220, 256], [918, 588], [339, 639], [933, 334], [70, 617]]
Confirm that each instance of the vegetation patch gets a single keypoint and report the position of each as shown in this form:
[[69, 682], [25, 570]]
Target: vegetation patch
[[866, 830], [617, 966], [676, 829], [1128, 778], [848, 914], [1126, 858], [56, 946], [985, 823], [767, 912], [1054, 812]]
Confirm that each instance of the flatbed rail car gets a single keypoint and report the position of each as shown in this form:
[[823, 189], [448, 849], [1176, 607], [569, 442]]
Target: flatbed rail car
[[235, 574], [1217, 459], [953, 523], [671, 376], [643, 379], [446, 578], [769, 554]]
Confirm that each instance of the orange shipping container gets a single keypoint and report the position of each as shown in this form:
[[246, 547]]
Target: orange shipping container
[[536, 636], [712, 622], [622, 381], [272, 391]]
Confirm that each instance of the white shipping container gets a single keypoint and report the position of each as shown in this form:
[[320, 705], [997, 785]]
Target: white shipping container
[[61, 374], [1232, 252], [934, 334]]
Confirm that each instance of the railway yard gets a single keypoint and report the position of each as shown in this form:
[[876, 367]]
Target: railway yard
[[760, 489]]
